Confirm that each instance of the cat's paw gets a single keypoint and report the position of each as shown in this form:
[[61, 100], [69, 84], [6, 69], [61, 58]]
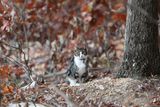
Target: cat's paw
[[75, 84]]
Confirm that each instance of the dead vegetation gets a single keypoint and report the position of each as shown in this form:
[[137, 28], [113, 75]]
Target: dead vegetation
[[115, 92], [39, 37]]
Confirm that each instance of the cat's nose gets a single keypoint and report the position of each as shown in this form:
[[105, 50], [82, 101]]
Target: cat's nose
[[81, 55]]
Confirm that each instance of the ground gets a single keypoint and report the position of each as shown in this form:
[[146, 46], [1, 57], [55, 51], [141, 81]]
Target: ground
[[102, 90], [115, 92]]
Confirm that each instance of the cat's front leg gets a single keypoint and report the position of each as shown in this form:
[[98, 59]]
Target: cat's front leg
[[73, 82], [84, 78]]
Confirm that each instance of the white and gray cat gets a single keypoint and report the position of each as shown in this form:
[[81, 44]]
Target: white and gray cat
[[78, 70]]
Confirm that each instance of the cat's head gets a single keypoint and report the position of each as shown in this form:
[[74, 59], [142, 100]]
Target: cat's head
[[81, 53]]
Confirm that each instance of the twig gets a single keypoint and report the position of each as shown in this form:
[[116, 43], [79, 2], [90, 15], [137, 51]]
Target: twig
[[68, 101], [26, 66], [83, 101], [21, 13], [60, 73], [26, 69]]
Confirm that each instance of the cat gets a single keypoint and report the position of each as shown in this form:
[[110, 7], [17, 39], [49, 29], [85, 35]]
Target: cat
[[78, 70]]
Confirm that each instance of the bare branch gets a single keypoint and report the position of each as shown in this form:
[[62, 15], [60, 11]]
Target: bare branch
[[68, 101]]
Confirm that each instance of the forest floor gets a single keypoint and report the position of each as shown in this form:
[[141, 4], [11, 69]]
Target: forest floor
[[38, 37], [102, 90], [114, 92]]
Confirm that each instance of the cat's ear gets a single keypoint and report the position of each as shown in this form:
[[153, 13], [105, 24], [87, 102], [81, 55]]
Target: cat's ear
[[86, 49], [77, 48]]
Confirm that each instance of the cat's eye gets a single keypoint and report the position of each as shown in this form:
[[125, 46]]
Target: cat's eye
[[78, 50], [77, 53], [84, 51]]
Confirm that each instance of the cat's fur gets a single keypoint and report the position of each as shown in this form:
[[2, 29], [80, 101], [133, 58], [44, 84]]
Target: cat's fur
[[78, 69]]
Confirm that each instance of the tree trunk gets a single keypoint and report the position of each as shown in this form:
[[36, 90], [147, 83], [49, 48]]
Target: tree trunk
[[141, 54]]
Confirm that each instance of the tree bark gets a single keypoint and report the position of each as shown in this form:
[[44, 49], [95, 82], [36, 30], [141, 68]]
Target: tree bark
[[141, 54]]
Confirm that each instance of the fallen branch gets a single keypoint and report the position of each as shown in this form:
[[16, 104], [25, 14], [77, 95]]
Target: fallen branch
[[66, 98]]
